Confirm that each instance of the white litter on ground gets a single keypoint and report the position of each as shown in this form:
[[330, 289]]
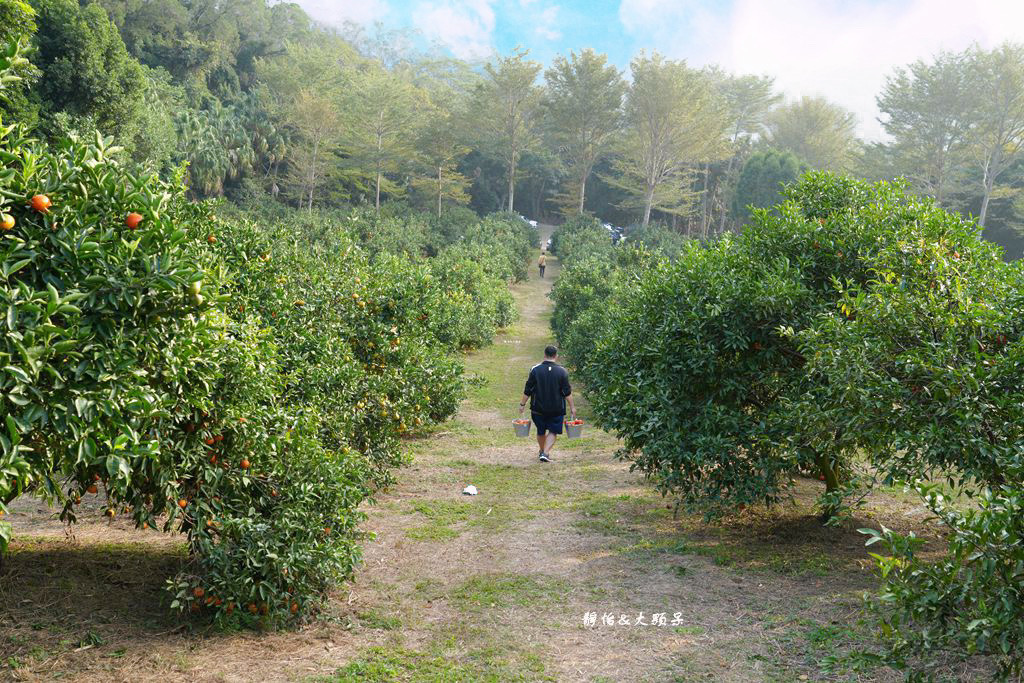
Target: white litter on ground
[[469, 490]]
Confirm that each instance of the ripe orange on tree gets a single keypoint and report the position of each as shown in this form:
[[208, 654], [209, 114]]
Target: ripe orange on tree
[[211, 239], [210, 441], [132, 220], [92, 488], [6, 222], [244, 464], [41, 203], [182, 503]]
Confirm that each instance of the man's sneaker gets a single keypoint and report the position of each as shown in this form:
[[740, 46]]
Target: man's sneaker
[[544, 457]]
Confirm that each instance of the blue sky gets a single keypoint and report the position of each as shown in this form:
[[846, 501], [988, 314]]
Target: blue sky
[[842, 49]]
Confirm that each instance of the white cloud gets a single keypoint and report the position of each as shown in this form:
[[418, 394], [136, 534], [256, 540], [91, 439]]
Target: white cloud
[[547, 23], [676, 28], [840, 49], [337, 12], [466, 27]]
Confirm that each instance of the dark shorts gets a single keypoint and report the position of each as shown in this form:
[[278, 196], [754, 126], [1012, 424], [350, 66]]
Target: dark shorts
[[548, 423]]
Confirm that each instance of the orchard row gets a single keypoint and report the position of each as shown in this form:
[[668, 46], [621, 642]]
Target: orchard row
[[241, 378], [855, 333]]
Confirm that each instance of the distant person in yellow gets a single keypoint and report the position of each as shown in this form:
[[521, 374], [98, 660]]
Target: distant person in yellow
[[541, 262]]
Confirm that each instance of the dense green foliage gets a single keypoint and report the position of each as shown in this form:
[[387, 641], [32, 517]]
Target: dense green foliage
[[762, 179], [85, 70], [854, 331], [657, 237], [245, 384], [261, 101], [579, 237], [968, 603]]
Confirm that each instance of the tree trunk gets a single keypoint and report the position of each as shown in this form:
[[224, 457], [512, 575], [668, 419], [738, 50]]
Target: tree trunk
[[705, 218], [990, 181], [728, 178], [831, 474], [438, 191], [380, 148], [648, 201], [312, 172], [538, 199], [511, 184], [583, 191]]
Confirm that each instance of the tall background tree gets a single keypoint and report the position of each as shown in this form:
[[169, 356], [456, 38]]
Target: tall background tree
[[998, 138], [439, 149], [674, 120], [86, 72], [929, 110], [507, 106], [762, 179], [750, 100], [817, 131], [381, 114], [583, 110]]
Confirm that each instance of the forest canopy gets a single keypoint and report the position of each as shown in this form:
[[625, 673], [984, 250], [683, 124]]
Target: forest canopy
[[262, 102]]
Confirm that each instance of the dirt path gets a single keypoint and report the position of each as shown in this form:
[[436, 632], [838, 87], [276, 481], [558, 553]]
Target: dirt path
[[495, 587]]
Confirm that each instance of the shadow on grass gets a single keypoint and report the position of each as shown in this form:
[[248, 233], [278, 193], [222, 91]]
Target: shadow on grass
[[57, 597], [788, 540]]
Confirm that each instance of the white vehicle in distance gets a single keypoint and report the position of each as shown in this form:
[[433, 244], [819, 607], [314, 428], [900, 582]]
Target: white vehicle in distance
[[533, 224]]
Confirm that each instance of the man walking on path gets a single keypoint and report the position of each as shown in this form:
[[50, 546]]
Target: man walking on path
[[547, 389], [541, 262]]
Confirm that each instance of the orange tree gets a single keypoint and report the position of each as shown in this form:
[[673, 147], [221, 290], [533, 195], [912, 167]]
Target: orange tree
[[579, 237], [91, 309], [923, 364], [691, 369], [349, 341], [120, 376], [216, 378], [588, 292], [362, 344]]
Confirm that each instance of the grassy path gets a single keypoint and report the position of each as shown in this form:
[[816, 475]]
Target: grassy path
[[487, 588], [495, 587]]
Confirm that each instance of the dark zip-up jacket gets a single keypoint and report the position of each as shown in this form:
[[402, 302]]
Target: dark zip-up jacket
[[547, 386]]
